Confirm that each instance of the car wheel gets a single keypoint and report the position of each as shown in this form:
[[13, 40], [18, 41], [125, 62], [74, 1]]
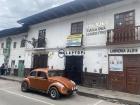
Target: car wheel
[[54, 94], [24, 86]]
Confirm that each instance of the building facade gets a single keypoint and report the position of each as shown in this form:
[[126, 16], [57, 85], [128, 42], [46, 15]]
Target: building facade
[[94, 43]]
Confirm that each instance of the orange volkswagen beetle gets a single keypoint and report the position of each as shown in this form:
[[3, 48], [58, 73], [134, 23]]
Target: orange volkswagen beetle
[[42, 80]]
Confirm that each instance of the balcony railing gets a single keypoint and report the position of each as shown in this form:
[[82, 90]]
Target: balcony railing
[[129, 35]]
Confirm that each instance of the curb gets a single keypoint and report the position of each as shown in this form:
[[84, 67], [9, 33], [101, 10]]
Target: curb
[[9, 79], [113, 100]]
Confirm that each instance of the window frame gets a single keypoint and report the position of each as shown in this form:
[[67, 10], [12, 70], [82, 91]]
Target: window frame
[[78, 27], [122, 17], [41, 38], [2, 45], [14, 45], [22, 43]]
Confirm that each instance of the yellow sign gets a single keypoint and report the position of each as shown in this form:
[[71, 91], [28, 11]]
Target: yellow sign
[[74, 40]]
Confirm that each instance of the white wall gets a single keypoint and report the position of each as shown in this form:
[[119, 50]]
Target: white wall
[[55, 61], [14, 52], [96, 59]]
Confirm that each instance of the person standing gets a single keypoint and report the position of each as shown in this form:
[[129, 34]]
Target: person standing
[[2, 69]]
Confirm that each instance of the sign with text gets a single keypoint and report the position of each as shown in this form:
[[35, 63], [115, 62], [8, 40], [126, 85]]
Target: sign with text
[[97, 29], [74, 40], [124, 51], [62, 53]]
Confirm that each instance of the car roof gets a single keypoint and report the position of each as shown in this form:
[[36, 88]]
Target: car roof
[[42, 69]]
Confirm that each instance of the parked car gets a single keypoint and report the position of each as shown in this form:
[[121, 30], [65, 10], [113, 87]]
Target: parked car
[[42, 80]]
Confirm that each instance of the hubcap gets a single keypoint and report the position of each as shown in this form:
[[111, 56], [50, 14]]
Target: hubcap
[[53, 93]]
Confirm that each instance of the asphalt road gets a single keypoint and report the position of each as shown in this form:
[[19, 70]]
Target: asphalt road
[[10, 94]]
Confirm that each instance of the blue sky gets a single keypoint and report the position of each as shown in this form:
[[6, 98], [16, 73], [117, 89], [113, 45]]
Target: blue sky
[[13, 10]]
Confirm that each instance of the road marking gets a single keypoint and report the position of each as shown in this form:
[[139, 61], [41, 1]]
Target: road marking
[[97, 103], [7, 88], [27, 97]]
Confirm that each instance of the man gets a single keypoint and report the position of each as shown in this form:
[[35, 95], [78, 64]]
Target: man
[[2, 69]]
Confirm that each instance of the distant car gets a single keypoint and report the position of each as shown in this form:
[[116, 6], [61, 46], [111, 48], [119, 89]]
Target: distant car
[[42, 80]]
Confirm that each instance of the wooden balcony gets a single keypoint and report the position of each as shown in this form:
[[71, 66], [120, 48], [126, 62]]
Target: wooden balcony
[[129, 35]]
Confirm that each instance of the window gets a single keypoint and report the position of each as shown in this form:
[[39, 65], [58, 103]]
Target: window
[[33, 73], [41, 74], [2, 45], [77, 28], [15, 44], [22, 43], [41, 38], [125, 19]]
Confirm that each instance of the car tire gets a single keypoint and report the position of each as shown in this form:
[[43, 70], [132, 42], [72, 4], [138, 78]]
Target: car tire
[[24, 86], [54, 93]]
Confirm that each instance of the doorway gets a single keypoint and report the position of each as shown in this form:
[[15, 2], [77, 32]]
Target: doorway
[[132, 68], [21, 68], [40, 61], [127, 80], [74, 68]]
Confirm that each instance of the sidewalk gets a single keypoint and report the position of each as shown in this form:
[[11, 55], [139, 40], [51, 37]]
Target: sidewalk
[[108, 95]]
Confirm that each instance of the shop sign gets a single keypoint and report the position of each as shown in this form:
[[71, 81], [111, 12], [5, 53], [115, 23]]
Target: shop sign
[[74, 40], [124, 51], [76, 52], [116, 63], [62, 53], [97, 29]]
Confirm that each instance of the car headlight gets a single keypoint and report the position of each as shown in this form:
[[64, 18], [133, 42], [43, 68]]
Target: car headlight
[[73, 82]]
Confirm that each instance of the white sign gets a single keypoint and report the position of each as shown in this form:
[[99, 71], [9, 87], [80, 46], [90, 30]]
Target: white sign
[[124, 51], [97, 29], [116, 63]]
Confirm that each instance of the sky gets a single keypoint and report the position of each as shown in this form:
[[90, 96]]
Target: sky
[[13, 10]]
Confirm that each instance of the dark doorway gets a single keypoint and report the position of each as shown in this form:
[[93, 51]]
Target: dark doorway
[[40, 61], [74, 68]]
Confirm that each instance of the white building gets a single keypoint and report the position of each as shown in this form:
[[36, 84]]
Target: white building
[[95, 42]]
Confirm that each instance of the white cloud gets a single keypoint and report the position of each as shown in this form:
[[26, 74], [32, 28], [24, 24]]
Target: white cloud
[[13, 10]]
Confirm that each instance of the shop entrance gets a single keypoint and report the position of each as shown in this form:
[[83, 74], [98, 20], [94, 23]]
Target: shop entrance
[[132, 67], [127, 80], [74, 68], [40, 61]]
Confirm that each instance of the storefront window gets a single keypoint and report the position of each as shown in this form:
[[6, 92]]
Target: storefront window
[[116, 63]]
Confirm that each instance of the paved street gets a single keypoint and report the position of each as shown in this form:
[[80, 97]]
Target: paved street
[[10, 94]]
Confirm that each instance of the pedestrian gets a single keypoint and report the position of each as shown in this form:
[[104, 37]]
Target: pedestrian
[[2, 69], [5, 69]]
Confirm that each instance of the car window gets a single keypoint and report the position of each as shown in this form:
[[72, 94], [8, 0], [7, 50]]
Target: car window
[[33, 73], [41, 74]]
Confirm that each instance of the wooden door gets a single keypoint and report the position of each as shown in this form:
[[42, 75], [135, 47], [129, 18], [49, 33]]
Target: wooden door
[[40, 61], [132, 67]]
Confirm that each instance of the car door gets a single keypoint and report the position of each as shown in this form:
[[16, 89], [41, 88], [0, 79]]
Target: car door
[[33, 79], [42, 80]]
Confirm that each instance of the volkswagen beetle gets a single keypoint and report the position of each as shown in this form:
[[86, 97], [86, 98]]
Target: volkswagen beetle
[[40, 79]]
